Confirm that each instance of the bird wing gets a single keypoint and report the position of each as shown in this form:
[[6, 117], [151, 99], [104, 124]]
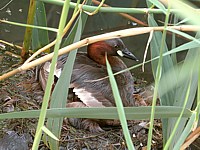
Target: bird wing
[[86, 84], [89, 81], [43, 74]]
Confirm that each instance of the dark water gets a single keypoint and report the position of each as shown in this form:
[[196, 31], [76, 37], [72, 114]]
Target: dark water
[[99, 23]]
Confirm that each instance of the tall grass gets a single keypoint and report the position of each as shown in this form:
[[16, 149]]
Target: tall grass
[[182, 80], [50, 80], [176, 83]]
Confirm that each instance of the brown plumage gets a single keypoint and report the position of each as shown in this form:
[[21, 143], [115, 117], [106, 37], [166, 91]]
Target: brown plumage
[[88, 69]]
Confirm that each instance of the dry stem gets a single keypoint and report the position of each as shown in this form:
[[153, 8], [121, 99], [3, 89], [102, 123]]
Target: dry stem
[[89, 40], [192, 137]]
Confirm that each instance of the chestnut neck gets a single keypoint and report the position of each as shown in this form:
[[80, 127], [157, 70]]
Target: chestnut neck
[[97, 52]]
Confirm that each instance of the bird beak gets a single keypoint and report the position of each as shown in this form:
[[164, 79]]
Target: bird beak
[[126, 53]]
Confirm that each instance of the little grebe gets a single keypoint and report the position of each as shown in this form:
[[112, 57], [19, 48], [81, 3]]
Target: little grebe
[[88, 68]]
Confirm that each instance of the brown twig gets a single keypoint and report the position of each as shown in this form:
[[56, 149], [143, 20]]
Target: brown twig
[[10, 44], [191, 138], [124, 14], [12, 54]]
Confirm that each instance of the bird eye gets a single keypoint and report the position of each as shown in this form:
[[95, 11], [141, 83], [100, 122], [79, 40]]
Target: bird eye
[[116, 46]]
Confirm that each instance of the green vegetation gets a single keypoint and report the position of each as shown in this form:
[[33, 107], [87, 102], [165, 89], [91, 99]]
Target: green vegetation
[[177, 84]]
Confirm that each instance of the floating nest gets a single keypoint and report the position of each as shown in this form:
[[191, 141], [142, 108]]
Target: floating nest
[[23, 92]]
